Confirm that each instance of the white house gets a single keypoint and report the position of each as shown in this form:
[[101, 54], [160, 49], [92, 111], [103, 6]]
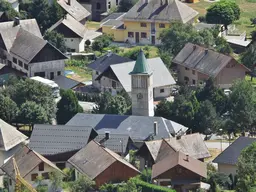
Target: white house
[[10, 141], [74, 32], [111, 73], [31, 165], [23, 48]]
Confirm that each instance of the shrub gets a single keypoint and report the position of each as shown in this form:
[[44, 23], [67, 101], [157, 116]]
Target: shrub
[[201, 18], [87, 42], [147, 187]]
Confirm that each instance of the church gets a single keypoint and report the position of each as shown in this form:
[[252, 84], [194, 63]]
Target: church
[[142, 125]]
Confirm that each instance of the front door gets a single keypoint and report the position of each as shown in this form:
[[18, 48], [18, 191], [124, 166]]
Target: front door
[[153, 40], [137, 37]]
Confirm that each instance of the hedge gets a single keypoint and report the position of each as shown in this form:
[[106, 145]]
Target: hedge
[[147, 187]]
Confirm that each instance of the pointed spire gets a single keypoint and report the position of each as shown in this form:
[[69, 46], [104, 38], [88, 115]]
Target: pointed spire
[[141, 66]]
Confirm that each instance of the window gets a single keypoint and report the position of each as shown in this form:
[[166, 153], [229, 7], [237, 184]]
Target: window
[[59, 73], [45, 175], [14, 60], [34, 176], [114, 84], [61, 166], [40, 74], [71, 40], [52, 75], [26, 66], [41, 167], [98, 6], [194, 82], [193, 72], [143, 35], [109, 5], [72, 50], [161, 25], [130, 34], [20, 63], [161, 90], [97, 73], [117, 2], [143, 24], [10, 181], [186, 68], [186, 78]]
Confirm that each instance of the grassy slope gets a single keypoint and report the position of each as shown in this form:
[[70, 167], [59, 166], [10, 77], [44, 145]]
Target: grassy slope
[[247, 12]]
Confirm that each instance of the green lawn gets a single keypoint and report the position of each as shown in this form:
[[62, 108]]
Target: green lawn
[[248, 78], [93, 25], [153, 50], [247, 12], [80, 73]]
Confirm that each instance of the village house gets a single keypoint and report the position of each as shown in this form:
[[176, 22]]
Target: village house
[[23, 48], [191, 144], [182, 171], [10, 141], [75, 33], [196, 64], [101, 165], [111, 76], [58, 143], [31, 165], [227, 160], [144, 22], [75, 9]]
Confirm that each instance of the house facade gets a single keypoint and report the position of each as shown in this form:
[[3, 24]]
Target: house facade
[[11, 140], [23, 48], [31, 165], [144, 22], [196, 64]]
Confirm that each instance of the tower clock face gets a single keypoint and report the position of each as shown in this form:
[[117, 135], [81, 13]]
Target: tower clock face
[[139, 96]]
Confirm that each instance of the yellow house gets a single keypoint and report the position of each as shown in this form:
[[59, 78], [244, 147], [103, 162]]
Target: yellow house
[[143, 23]]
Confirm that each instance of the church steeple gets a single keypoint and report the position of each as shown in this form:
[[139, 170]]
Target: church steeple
[[142, 87], [141, 66]]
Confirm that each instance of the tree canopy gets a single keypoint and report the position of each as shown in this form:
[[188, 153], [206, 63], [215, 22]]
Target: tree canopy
[[126, 5], [223, 12], [68, 107], [249, 57], [246, 169], [34, 101], [8, 109], [56, 39]]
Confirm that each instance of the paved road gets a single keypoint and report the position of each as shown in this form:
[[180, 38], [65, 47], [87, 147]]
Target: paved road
[[217, 145]]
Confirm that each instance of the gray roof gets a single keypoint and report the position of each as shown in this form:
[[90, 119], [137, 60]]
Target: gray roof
[[50, 140], [72, 24], [175, 10], [231, 154], [112, 22], [27, 160], [161, 75], [9, 136], [26, 45], [94, 159], [65, 82], [9, 31], [137, 127], [75, 9], [116, 142], [115, 16], [103, 63], [201, 59]]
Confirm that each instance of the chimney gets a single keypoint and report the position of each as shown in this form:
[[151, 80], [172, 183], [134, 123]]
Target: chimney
[[69, 2], [16, 21], [155, 128], [106, 135], [178, 137], [187, 157], [109, 53]]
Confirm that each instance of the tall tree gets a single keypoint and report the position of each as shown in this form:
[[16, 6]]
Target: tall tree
[[8, 109], [249, 57], [56, 39], [246, 169], [82, 184], [242, 105], [223, 12], [68, 107]]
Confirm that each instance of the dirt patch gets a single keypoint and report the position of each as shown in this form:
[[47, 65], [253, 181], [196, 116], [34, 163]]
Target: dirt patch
[[214, 153]]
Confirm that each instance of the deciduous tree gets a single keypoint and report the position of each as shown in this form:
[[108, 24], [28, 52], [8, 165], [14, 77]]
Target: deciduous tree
[[8, 109], [68, 107], [56, 39], [82, 184]]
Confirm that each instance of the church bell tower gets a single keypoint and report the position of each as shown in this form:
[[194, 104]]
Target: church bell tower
[[142, 87]]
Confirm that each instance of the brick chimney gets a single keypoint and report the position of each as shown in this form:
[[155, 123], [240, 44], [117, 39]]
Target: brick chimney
[[69, 2]]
